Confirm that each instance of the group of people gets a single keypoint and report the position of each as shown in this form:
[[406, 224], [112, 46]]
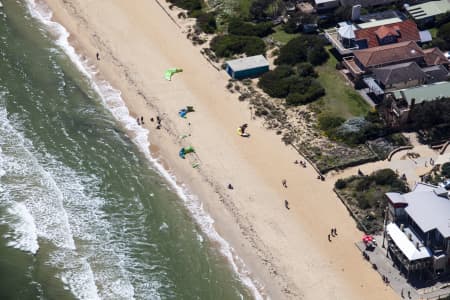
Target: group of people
[[333, 233], [140, 121], [302, 163]]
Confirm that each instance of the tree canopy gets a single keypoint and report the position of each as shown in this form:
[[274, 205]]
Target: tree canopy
[[301, 49], [239, 27], [228, 45]]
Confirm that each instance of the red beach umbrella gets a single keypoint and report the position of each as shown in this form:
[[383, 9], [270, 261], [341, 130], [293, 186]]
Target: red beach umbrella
[[367, 239]]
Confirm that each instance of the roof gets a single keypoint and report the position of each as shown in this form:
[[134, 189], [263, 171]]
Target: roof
[[250, 62], [399, 73], [425, 92], [389, 54], [324, 1], [380, 15], [373, 86], [404, 31], [429, 210], [396, 198], [436, 73], [434, 56], [428, 9], [347, 31], [425, 36], [379, 22], [405, 245]]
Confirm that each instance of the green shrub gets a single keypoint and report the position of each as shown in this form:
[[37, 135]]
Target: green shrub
[[275, 82], [445, 170], [189, 5], [207, 22], [384, 176], [301, 49], [340, 184], [313, 92], [328, 121], [239, 27], [306, 70], [228, 45]]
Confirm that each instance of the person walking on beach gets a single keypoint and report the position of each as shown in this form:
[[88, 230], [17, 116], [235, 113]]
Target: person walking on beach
[[142, 120], [329, 238], [286, 204], [284, 183], [97, 55], [158, 120], [137, 120]]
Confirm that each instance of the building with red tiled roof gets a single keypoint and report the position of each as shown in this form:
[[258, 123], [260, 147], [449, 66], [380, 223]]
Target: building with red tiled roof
[[365, 60], [389, 54], [387, 34], [434, 56]]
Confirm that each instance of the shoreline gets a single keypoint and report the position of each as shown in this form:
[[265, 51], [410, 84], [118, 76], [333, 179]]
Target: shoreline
[[266, 236]]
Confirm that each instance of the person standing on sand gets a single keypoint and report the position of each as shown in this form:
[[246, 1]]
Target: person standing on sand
[[284, 183], [142, 120], [329, 238], [286, 204], [97, 55]]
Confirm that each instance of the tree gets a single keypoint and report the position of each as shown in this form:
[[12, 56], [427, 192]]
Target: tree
[[228, 45], [239, 27], [275, 82], [445, 170], [328, 121], [306, 69], [444, 34], [297, 50], [207, 22]]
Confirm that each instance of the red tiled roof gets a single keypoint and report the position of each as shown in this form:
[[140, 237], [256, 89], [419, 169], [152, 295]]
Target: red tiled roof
[[405, 31], [384, 31], [389, 54], [434, 56]]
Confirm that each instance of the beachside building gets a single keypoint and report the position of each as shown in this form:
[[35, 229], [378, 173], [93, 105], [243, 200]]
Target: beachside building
[[349, 37], [402, 101], [364, 61], [406, 75], [425, 13], [246, 67], [418, 234]]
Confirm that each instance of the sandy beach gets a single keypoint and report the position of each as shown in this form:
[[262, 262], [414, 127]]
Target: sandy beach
[[286, 251]]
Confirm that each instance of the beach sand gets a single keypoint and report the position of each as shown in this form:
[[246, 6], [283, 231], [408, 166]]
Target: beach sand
[[286, 251]]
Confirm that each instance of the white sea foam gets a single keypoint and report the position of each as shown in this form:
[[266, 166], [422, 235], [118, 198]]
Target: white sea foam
[[114, 102], [34, 206], [23, 234]]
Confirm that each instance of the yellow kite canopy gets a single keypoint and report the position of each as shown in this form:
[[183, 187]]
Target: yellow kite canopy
[[169, 73]]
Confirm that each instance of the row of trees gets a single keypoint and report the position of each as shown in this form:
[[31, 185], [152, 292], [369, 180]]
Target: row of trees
[[229, 45], [242, 38]]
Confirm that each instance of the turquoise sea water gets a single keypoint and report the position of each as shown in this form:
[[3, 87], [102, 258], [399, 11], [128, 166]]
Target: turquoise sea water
[[83, 213]]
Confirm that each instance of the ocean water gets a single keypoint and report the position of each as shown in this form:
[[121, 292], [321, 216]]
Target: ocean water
[[85, 211]]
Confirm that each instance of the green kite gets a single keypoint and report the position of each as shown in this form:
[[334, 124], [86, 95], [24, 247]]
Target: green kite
[[169, 73]]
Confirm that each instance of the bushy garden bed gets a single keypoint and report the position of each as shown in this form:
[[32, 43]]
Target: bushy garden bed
[[364, 196]]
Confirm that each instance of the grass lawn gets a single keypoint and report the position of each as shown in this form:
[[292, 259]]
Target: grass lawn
[[340, 99], [281, 36]]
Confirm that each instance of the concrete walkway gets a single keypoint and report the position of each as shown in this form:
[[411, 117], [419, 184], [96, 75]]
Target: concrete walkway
[[397, 281]]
